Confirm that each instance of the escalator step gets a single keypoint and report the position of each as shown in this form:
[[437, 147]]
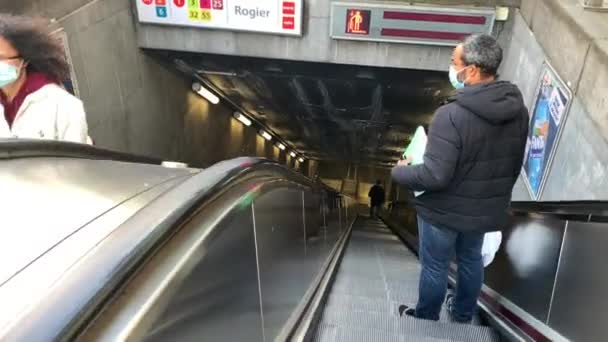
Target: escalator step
[[389, 307], [406, 326], [377, 274], [339, 334]]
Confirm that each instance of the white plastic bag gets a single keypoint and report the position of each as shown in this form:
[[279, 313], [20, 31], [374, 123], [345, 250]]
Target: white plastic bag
[[491, 244]]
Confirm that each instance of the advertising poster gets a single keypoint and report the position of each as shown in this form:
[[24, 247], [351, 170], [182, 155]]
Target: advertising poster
[[548, 114]]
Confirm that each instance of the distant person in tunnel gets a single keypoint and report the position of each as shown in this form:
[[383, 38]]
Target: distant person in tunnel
[[33, 103], [473, 157], [376, 196]]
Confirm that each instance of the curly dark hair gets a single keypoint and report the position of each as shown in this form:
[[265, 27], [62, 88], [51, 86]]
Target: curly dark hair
[[32, 38]]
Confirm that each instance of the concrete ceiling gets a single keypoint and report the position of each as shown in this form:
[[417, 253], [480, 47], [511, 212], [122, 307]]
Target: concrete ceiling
[[328, 111]]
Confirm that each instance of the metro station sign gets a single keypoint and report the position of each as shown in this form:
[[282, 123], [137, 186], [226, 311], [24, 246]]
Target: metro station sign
[[408, 24], [264, 16]]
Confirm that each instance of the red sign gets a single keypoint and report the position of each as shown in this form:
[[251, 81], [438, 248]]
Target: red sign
[[289, 23], [218, 4], [205, 4], [147, 2], [357, 21], [161, 2], [289, 7], [179, 3]]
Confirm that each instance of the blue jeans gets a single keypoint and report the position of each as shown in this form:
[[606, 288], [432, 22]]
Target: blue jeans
[[436, 249]]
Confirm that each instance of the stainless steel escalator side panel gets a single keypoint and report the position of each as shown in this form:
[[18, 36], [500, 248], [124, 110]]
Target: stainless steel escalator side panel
[[580, 308], [523, 270], [521, 291], [153, 286], [202, 283], [92, 276], [292, 247], [286, 269]]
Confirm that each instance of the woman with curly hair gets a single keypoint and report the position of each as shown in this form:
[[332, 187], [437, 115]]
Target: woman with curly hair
[[33, 66]]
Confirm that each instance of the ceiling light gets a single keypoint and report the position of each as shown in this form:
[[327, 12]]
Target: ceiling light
[[174, 165], [292, 154], [202, 91], [301, 160], [281, 146], [218, 73], [242, 118], [265, 135], [502, 13]]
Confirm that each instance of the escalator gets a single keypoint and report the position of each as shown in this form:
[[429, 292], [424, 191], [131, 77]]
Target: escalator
[[249, 250], [377, 273]]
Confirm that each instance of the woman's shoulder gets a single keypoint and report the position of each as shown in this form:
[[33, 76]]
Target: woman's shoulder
[[57, 93], [53, 97]]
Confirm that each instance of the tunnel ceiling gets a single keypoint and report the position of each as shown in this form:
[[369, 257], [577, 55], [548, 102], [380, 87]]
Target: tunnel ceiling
[[328, 111]]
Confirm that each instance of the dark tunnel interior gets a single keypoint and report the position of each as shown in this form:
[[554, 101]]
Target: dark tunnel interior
[[364, 115]]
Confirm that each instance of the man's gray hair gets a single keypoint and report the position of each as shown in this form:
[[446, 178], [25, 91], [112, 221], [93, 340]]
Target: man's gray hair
[[483, 51]]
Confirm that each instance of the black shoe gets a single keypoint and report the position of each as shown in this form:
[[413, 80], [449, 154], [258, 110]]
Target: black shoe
[[408, 311]]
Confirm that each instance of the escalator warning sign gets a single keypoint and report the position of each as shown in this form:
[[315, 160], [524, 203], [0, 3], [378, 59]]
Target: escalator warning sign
[[357, 21]]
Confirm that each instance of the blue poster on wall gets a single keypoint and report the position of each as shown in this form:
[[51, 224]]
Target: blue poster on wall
[[548, 115]]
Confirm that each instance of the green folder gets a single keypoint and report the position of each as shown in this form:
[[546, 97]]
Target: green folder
[[417, 146]]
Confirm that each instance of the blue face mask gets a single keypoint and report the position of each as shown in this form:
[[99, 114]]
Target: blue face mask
[[8, 74], [456, 83]]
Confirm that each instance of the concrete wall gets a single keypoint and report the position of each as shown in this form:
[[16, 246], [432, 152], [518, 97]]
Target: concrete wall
[[580, 167], [133, 103]]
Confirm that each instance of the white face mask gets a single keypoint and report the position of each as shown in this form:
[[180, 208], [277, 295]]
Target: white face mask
[[8, 74]]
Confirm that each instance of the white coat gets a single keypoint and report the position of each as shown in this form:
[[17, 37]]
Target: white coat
[[48, 113]]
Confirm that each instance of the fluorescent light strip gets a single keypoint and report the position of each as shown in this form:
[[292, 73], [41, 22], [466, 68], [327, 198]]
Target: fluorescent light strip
[[301, 160], [242, 118], [281, 147], [292, 154], [202, 91], [265, 134]]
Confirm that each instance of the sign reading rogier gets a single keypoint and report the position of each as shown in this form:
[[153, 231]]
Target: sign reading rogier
[[265, 16]]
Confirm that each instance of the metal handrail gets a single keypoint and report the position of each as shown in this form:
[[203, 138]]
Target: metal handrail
[[26, 148], [590, 211]]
